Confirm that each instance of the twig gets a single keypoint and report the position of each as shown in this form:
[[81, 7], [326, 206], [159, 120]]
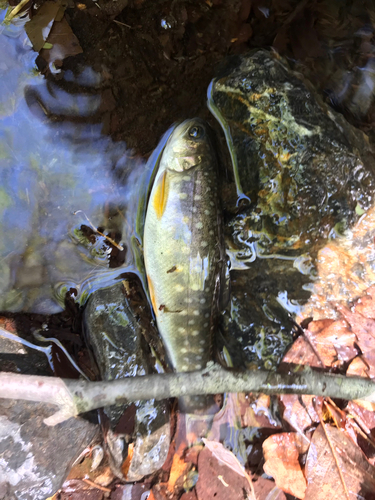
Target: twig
[[95, 485], [16, 10], [119, 247], [77, 396]]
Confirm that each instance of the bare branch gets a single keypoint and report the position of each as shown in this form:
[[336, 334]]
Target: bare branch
[[77, 396]]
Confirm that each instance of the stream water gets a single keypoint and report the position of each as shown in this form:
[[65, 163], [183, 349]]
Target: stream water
[[75, 143], [56, 177]]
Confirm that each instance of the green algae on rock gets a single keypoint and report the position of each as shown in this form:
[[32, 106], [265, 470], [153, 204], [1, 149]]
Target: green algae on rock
[[305, 175], [295, 161]]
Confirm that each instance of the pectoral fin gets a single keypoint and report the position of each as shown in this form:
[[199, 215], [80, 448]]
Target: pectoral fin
[[161, 195]]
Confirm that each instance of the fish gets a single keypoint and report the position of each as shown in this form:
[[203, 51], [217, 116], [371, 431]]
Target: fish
[[183, 245]]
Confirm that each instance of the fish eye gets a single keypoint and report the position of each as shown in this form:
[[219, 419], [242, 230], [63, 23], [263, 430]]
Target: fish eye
[[196, 132]]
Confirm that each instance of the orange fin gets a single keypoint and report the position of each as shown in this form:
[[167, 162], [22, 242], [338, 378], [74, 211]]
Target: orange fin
[[161, 195], [152, 295]]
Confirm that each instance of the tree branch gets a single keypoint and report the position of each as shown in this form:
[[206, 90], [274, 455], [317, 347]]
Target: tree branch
[[77, 396]]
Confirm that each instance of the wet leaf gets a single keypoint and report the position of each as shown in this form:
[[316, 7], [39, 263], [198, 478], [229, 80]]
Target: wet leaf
[[299, 411], [226, 457], [62, 41], [178, 470], [366, 304], [281, 452], [336, 468], [336, 414], [39, 27], [301, 353], [265, 489], [363, 413], [325, 343], [217, 480], [364, 329]]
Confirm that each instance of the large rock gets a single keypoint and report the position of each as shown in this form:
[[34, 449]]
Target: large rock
[[34, 457], [304, 176]]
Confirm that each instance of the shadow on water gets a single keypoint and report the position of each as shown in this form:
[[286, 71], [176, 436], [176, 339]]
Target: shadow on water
[[61, 178]]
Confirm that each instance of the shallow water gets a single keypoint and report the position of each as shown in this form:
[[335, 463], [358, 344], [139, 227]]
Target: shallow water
[[65, 166], [58, 174]]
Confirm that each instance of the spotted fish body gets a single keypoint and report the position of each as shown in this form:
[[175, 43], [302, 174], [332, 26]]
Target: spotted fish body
[[182, 245]]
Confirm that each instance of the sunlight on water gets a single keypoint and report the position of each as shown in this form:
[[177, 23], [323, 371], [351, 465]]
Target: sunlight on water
[[58, 172]]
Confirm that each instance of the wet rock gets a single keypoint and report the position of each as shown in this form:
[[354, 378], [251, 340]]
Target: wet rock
[[17, 357], [304, 175], [258, 323], [30, 466], [152, 439], [118, 328], [297, 161], [35, 458]]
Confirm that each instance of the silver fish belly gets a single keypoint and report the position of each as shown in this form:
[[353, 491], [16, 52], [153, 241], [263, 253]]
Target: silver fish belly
[[182, 246]]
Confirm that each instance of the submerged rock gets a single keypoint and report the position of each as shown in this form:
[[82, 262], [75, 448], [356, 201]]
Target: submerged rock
[[303, 175], [118, 328]]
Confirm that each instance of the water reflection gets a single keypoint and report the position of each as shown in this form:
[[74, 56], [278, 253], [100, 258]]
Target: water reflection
[[59, 177]]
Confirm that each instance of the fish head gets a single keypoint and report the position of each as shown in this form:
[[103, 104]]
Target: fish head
[[187, 146]]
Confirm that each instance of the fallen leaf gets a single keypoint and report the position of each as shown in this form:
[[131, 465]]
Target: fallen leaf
[[364, 329], [267, 490], [190, 495], [336, 414], [366, 304], [281, 453], [328, 343], [217, 481], [365, 413], [301, 353], [126, 464], [225, 456], [299, 411], [178, 470], [39, 27], [336, 468], [63, 43], [357, 368]]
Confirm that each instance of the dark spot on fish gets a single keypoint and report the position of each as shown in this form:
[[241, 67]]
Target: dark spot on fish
[[172, 269], [164, 308]]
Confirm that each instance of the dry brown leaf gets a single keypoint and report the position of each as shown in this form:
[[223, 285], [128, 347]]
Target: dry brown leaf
[[267, 490], [336, 468], [190, 495], [301, 353], [364, 411], [357, 368], [281, 452], [225, 456]]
